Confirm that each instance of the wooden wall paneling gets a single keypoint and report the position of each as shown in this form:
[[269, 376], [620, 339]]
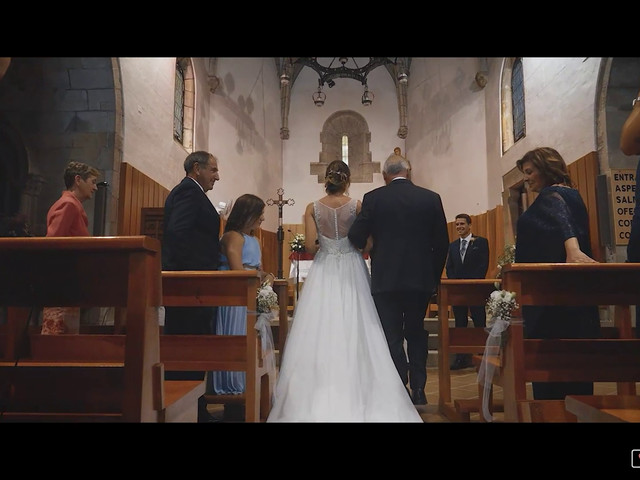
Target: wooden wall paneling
[[137, 191], [135, 212], [151, 222], [584, 173], [592, 170], [500, 243], [157, 196], [124, 202], [147, 187], [134, 199], [492, 218], [269, 246]]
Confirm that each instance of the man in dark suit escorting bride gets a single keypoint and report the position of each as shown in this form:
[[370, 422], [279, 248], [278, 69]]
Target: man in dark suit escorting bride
[[408, 227]]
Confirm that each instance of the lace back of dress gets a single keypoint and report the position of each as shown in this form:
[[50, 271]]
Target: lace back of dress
[[334, 223]]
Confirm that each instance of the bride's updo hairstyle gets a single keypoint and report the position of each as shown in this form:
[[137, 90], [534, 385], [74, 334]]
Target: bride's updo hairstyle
[[338, 177]]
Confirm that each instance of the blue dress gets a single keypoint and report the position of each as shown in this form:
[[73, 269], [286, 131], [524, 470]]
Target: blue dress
[[233, 320]]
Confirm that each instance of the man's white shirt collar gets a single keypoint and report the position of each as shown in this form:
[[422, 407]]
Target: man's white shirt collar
[[196, 183]]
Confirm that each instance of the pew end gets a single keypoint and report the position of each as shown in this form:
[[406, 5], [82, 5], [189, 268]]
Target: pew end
[[224, 352], [79, 377], [67, 392], [546, 411]]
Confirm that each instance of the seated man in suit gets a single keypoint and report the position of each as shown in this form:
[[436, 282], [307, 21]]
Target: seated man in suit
[[468, 258]]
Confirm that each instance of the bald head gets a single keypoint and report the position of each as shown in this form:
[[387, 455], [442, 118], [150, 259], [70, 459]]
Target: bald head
[[395, 166]]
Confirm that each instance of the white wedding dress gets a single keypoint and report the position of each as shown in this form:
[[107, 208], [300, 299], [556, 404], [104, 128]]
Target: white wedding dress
[[336, 365]]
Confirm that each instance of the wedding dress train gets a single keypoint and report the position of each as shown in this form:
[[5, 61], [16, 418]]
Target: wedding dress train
[[336, 365]]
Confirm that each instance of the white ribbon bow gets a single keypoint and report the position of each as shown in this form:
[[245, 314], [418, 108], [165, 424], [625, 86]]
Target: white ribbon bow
[[487, 369], [263, 326]]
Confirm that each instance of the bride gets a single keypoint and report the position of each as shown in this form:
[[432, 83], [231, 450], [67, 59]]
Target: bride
[[337, 366]]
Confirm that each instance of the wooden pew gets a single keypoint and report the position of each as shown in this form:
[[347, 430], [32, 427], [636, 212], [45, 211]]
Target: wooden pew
[[600, 360], [604, 408], [535, 410], [221, 352], [85, 377], [453, 340], [281, 330]]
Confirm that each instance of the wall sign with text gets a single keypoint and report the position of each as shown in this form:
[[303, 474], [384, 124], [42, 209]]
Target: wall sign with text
[[623, 202]]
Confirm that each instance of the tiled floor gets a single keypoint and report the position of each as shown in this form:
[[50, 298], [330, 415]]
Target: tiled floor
[[463, 385]]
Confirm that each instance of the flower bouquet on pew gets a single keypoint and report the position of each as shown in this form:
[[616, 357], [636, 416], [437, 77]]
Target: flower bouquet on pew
[[499, 307], [267, 308], [507, 256], [267, 299]]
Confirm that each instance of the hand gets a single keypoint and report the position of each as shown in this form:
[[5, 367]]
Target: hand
[[580, 257], [574, 254]]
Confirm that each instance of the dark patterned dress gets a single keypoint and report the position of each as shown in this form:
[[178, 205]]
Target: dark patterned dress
[[557, 214]]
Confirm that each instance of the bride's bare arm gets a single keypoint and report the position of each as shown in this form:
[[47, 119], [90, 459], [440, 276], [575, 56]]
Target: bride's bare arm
[[310, 231]]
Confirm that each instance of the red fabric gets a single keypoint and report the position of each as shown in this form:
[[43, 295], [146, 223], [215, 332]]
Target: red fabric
[[67, 218]]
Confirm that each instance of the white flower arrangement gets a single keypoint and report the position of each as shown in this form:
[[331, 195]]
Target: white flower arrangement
[[508, 256], [267, 299], [297, 243], [500, 305], [267, 305]]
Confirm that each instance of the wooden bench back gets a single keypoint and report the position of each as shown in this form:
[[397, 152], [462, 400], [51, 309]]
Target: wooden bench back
[[84, 271], [614, 360], [573, 360], [184, 352], [220, 352], [458, 340]]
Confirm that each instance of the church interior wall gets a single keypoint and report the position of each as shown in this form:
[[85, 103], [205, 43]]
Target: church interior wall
[[62, 109], [560, 96], [446, 140], [244, 131], [147, 88], [70, 108], [306, 121]]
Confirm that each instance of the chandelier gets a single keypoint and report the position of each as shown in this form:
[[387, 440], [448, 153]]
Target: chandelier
[[345, 67]]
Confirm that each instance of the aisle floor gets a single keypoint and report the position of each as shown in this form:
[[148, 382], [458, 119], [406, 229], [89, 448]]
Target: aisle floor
[[463, 385]]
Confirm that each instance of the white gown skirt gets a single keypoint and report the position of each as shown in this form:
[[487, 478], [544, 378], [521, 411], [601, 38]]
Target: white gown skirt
[[336, 365]]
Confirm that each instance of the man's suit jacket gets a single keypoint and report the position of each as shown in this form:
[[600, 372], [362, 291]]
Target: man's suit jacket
[[476, 259], [191, 229], [410, 237]]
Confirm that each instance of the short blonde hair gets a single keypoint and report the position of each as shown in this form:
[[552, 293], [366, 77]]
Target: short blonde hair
[[78, 168]]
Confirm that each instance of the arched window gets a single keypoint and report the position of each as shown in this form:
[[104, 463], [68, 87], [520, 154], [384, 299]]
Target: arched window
[[183, 102], [512, 102], [345, 149], [517, 98], [345, 136]]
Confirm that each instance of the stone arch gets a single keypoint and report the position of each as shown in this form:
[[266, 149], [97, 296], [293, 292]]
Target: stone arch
[[354, 125]]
